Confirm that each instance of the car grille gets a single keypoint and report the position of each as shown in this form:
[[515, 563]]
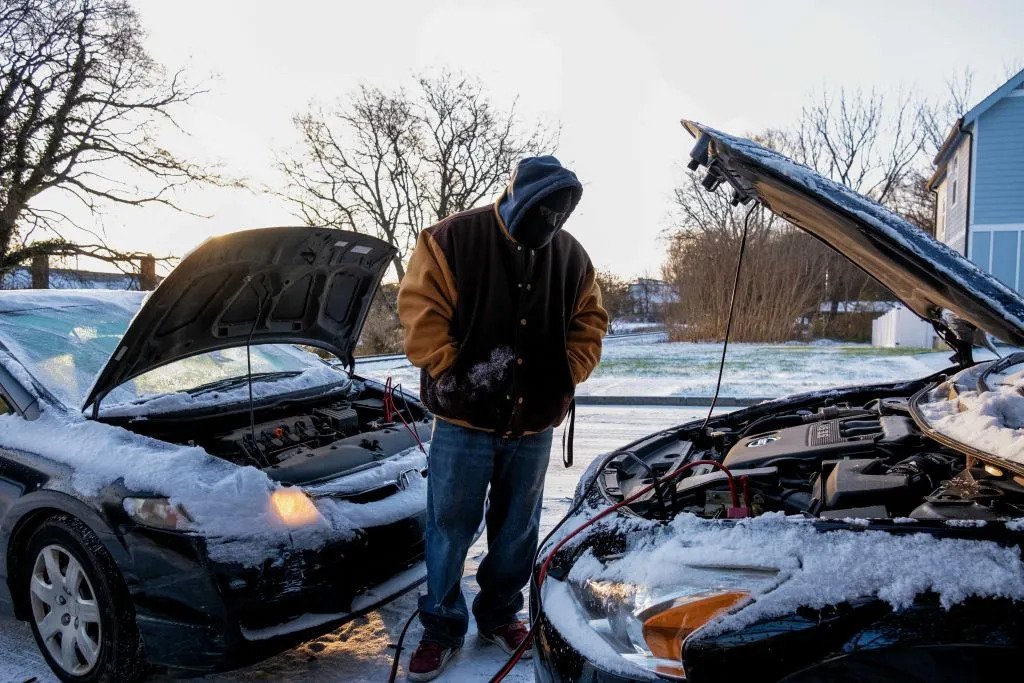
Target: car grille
[[323, 581]]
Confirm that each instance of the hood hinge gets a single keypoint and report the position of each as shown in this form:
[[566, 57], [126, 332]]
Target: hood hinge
[[959, 335]]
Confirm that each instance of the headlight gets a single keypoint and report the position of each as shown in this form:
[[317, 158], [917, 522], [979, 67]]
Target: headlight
[[294, 507], [158, 513], [647, 625]]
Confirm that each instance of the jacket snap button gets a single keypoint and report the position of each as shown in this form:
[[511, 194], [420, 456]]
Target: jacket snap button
[[519, 361], [519, 400], [529, 286], [519, 248], [507, 397], [523, 321]]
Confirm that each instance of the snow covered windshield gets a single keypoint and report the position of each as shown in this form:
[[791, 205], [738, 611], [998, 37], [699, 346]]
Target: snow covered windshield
[[65, 340]]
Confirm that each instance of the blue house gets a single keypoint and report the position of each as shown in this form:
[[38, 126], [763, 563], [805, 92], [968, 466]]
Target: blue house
[[979, 183]]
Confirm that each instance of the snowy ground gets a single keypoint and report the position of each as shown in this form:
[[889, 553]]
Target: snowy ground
[[359, 651], [654, 367]]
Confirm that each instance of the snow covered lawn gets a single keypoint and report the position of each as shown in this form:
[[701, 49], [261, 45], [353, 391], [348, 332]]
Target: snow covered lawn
[[652, 366], [359, 651], [752, 370]]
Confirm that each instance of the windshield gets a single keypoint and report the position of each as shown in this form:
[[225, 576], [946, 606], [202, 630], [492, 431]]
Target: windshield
[[66, 343]]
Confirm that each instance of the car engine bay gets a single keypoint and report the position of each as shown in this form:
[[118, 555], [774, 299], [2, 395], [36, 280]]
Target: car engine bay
[[307, 442], [841, 461]]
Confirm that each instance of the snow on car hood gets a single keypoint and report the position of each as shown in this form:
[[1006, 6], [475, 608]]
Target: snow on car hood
[[295, 285], [230, 505], [981, 410], [928, 276], [816, 569]]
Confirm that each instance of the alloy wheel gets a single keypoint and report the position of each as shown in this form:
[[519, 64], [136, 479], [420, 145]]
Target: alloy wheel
[[65, 610]]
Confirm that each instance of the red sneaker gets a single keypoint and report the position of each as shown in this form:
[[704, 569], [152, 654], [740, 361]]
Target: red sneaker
[[509, 637], [429, 660]]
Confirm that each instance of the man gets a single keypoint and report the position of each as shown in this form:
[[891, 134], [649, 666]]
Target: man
[[503, 314]]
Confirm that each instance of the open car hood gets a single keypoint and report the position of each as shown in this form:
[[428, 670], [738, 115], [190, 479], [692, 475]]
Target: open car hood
[[926, 275], [296, 285]]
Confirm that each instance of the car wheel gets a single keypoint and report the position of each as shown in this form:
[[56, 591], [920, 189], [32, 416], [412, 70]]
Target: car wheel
[[80, 610]]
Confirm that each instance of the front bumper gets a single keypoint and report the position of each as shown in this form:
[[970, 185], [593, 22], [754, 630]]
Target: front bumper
[[972, 642], [202, 616]]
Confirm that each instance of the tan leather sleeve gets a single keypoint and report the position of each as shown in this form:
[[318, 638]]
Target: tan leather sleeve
[[586, 330], [426, 305]]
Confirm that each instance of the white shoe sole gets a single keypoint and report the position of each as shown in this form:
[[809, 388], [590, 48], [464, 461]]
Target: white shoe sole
[[505, 648], [431, 675]]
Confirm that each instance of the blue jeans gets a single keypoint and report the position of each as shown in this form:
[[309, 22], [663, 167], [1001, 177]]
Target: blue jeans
[[463, 463]]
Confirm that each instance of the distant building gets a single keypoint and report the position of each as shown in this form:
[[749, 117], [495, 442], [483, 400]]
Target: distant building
[[840, 307], [979, 184], [650, 297], [901, 327]]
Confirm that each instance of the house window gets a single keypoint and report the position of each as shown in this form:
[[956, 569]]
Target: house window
[[981, 249], [940, 216], [955, 173], [1001, 253]]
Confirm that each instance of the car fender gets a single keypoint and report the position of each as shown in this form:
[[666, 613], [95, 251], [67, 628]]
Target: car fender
[[36, 505]]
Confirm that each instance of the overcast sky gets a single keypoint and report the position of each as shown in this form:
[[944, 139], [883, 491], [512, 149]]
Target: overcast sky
[[618, 76]]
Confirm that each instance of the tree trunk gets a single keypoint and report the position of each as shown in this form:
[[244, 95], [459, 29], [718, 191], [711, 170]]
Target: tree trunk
[[8, 221], [41, 272], [147, 273]]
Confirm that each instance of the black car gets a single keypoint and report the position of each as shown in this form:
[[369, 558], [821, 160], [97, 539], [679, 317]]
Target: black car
[[863, 534], [184, 482]]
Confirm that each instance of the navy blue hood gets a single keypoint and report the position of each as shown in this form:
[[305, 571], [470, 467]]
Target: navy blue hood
[[538, 200]]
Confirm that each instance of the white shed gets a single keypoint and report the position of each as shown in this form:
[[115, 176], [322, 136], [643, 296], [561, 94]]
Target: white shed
[[901, 327]]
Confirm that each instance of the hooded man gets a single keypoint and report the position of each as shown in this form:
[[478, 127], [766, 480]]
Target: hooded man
[[503, 315]]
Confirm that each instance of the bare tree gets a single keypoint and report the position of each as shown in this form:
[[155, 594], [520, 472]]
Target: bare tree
[[937, 118], [470, 146], [865, 141], [780, 281], [358, 168], [388, 163], [79, 99], [615, 297]]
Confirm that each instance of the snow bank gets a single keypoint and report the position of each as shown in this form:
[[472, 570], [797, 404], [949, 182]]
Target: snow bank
[[816, 569], [229, 504], [990, 421]]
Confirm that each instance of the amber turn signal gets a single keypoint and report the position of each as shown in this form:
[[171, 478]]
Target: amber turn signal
[[294, 507], [665, 631]]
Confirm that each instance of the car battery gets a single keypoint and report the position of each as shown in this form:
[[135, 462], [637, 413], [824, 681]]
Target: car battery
[[342, 418]]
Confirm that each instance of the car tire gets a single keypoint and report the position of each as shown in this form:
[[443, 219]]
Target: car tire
[[80, 612]]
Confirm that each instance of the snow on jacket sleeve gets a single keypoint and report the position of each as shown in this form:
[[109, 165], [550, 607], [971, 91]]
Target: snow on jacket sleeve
[[426, 304], [586, 329]]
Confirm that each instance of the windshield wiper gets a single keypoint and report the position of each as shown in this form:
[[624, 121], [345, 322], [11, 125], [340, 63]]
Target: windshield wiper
[[234, 382]]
